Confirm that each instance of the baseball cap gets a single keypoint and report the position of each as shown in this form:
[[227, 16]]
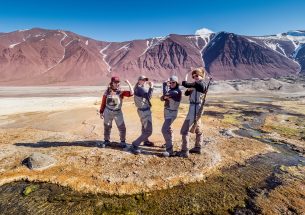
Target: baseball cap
[[142, 77], [173, 78], [115, 79]]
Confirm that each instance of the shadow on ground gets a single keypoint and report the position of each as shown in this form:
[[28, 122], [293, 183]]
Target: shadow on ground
[[92, 143]]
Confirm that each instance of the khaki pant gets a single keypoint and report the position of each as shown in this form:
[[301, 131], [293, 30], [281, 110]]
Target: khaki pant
[[117, 116], [146, 121]]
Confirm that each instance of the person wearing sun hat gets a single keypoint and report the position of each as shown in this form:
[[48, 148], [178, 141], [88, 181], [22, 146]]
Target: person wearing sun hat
[[110, 110], [142, 97], [195, 91], [172, 98]]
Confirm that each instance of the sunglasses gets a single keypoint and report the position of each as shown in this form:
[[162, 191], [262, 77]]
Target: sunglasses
[[172, 82], [195, 76]]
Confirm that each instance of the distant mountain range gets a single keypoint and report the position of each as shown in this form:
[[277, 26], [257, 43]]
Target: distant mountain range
[[57, 57]]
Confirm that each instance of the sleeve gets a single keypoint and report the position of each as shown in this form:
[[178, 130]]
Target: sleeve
[[200, 86], [188, 92], [126, 94], [165, 88], [175, 95], [103, 104], [149, 93], [142, 92]]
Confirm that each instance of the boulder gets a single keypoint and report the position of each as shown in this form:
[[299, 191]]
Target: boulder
[[39, 161]]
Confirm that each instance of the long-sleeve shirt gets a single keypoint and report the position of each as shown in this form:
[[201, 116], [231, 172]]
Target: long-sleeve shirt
[[120, 94], [199, 86], [142, 96], [140, 91], [173, 93], [171, 98], [196, 93]]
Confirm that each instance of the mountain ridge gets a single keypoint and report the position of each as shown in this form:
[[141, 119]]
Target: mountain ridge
[[56, 57]]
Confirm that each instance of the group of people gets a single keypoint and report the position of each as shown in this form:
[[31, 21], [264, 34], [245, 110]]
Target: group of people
[[171, 96]]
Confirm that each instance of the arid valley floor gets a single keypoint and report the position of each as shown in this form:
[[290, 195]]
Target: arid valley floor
[[253, 158]]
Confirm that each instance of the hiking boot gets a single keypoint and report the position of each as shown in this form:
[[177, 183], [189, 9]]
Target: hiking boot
[[123, 144], [182, 154], [196, 150], [103, 144], [168, 154], [148, 143], [135, 150]]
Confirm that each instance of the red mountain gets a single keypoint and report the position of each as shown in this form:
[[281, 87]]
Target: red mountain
[[57, 57], [229, 55]]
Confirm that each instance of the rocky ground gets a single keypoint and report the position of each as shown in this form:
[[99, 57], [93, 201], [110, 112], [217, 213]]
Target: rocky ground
[[70, 136], [238, 127]]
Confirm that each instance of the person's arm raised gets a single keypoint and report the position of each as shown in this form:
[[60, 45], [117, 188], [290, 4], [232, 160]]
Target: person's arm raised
[[130, 87]]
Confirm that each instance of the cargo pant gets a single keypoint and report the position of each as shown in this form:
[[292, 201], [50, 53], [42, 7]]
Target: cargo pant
[[169, 118], [146, 121], [117, 116], [188, 122]]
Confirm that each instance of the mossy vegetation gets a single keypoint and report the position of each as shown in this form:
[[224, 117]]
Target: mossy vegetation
[[29, 189], [232, 119], [283, 130], [286, 126]]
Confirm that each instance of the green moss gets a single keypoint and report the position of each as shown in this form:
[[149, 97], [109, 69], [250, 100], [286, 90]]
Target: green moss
[[283, 168], [285, 131], [29, 189], [231, 119]]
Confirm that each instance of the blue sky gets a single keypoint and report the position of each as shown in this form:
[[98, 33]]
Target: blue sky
[[116, 20]]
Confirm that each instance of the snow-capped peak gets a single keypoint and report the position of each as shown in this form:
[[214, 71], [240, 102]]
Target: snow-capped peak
[[23, 30], [203, 32]]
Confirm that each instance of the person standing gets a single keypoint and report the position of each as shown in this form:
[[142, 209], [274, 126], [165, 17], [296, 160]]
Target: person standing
[[142, 98], [195, 91], [111, 110], [172, 98]]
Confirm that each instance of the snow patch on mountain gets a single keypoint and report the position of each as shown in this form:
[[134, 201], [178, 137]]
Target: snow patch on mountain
[[205, 34], [152, 43], [271, 45], [252, 41], [125, 47], [296, 51], [13, 45], [102, 52], [148, 42], [156, 41], [297, 38], [39, 35], [276, 47], [64, 46]]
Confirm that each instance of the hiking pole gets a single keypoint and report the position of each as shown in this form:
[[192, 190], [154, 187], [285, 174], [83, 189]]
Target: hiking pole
[[198, 116]]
